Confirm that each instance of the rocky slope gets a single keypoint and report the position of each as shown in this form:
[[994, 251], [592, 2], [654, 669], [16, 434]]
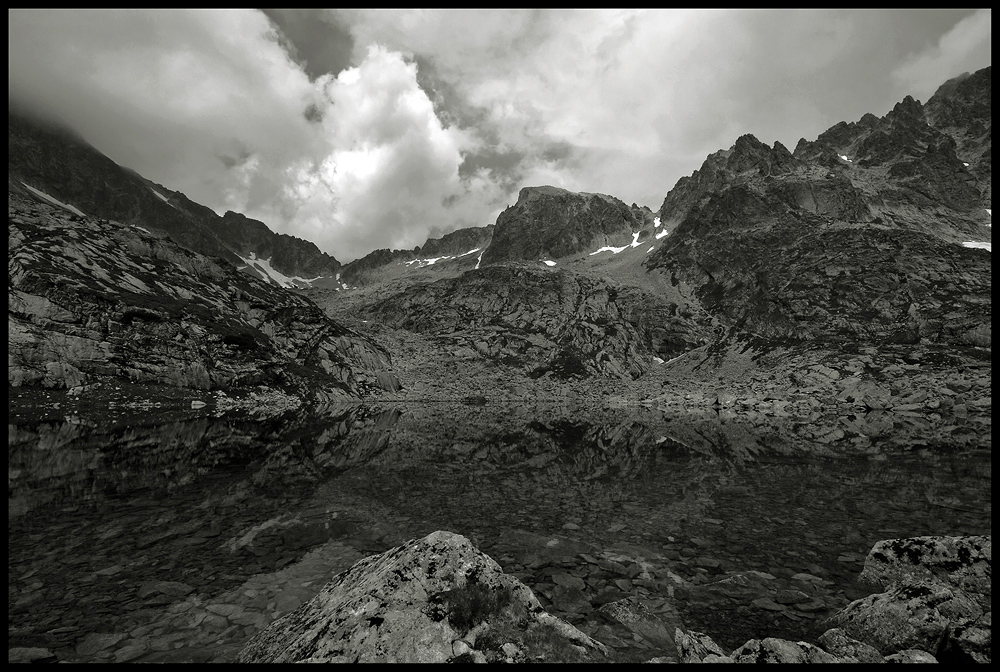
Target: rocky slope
[[89, 298], [855, 238], [50, 158], [545, 321]]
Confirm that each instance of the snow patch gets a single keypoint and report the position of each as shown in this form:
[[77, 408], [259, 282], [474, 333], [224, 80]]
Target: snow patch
[[964, 163], [615, 250], [660, 234], [164, 198], [136, 226], [263, 266], [656, 222], [479, 260], [426, 262], [651, 248], [657, 360], [54, 201], [979, 245], [469, 252], [548, 263], [845, 158]]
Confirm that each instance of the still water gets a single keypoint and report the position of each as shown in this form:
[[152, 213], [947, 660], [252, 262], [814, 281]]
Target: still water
[[178, 536]]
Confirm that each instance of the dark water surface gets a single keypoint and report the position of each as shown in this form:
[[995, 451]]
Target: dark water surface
[[177, 540]]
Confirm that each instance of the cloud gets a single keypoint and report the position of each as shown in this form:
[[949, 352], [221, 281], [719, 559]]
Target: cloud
[[388, 173], [435, 119], [212, 104], [965, 48]]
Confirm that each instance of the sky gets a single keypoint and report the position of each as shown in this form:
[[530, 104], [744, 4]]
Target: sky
[[367, 129]]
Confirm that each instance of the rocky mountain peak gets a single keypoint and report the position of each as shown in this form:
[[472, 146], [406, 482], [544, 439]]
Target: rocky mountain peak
[[549, 223], [909, 109], [744, 229]]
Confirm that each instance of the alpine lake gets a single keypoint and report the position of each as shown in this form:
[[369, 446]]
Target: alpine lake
[[166, 533]]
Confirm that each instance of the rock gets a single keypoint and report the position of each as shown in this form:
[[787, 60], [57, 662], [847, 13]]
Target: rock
[[98, 641], [836, 642], [411, 603], [29, 654], [568, 580], [637, 617], [914, 615], [964, 562], [772, 650], [172, 588], [693, 647], [911, 656]]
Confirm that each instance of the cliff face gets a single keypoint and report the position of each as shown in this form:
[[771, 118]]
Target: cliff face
[[550, 223], [856, 237], [50, 158], [90, 298]]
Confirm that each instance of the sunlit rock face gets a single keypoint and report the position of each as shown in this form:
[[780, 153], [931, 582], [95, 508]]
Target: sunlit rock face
[[547, 321], [90, 297], [550, 223], [431, 600], [855, 237]]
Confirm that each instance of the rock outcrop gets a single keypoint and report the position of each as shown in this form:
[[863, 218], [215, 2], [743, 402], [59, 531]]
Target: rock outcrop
[[436, 599], [936, 608], [550, 223], [92, 298]]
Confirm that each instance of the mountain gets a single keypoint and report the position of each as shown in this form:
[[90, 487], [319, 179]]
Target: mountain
[[855, 269], [92, 301], [570, 223], [48, 161], [855, 237], [867, 239], [456, 251]]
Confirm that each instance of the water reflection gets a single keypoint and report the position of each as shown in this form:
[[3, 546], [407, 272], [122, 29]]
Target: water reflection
[[96, 514]]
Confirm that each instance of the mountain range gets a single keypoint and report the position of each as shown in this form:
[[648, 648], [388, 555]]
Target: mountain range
[[873, 238]]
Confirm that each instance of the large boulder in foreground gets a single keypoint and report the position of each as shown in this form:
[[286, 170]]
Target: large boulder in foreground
[[431, 600], [937, 598], [965, 562]]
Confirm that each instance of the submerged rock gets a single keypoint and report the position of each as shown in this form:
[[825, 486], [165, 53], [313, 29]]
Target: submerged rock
[[434, 599]]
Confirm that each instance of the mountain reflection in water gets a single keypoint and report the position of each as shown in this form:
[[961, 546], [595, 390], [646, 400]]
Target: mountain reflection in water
[[96, 515]]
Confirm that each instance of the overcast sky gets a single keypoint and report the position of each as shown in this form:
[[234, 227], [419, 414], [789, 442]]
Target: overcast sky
[[378, 128]]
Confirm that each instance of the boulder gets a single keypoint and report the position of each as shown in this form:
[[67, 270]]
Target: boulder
[[963, 562], [773, 650], [937, 600], [434, 599]]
